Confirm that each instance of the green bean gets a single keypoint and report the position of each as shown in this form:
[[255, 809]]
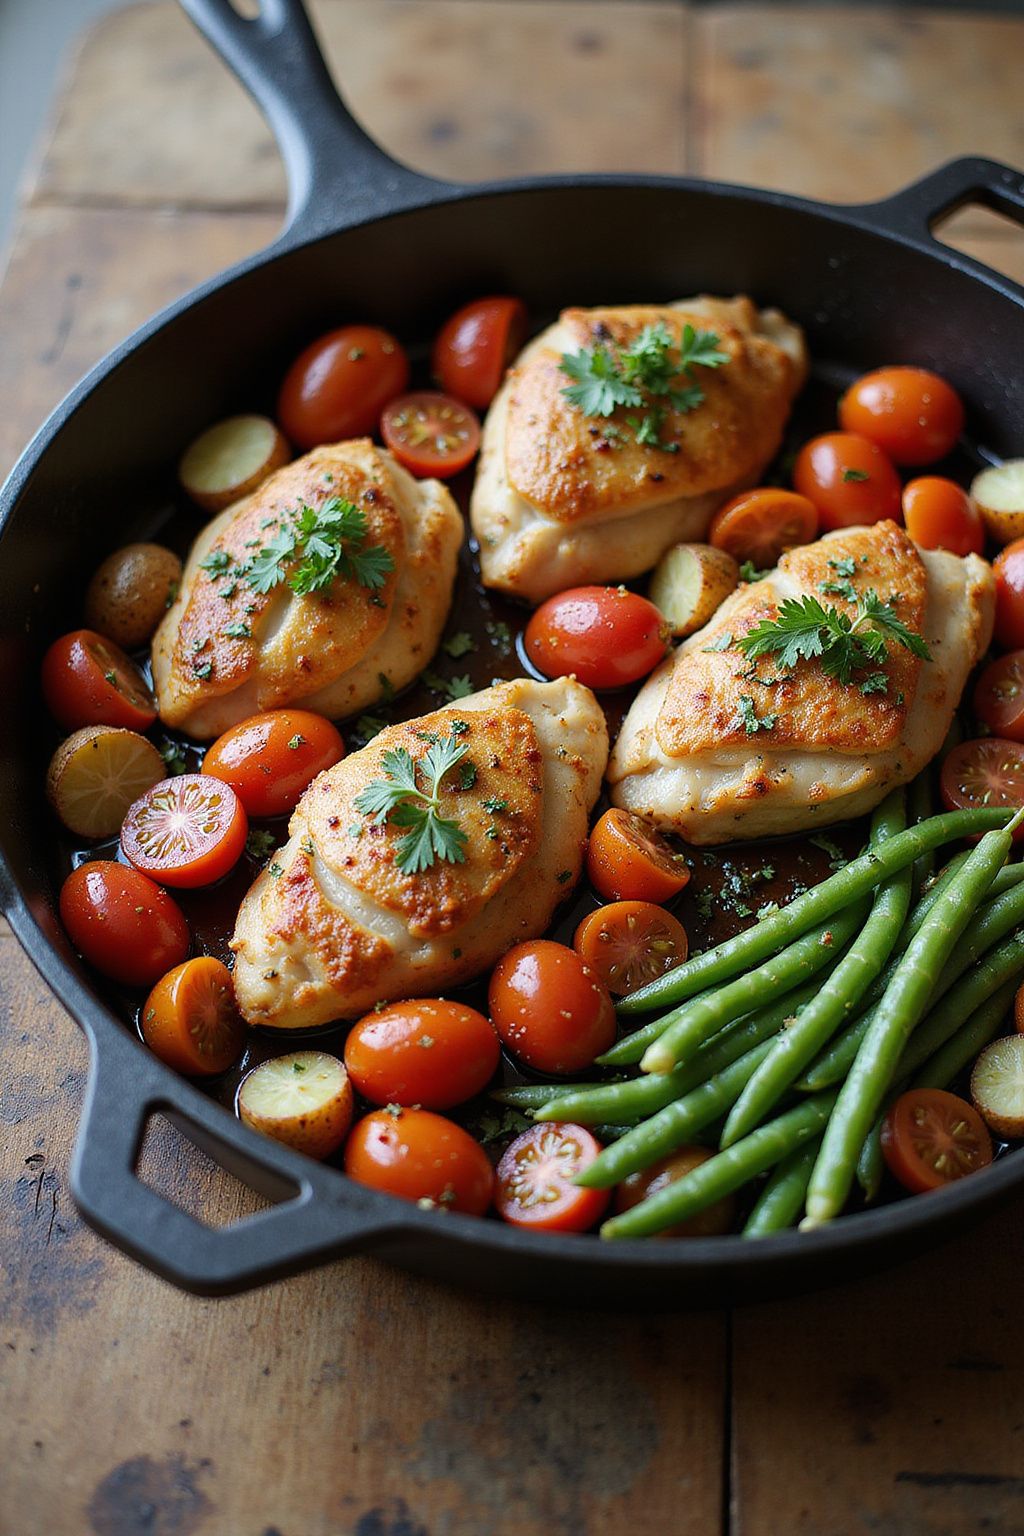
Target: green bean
[[782, 1199], [920, 805], [725, 1172], [947, 1064], [1002, 965], [871, 1162], [528, 1096]]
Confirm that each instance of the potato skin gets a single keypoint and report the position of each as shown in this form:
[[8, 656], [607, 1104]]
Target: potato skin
[[130, 593]]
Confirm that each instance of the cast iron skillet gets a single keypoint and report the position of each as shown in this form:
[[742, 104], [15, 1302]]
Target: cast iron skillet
[[367, 237]]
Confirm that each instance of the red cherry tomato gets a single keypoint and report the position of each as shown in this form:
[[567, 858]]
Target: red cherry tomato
[[475, 346], [186, 831], [931, 1138], [1008, 569], [339, 385], [999, 696], [629, 943], [988, 772], [270, 760], [713, 1221], [418, 1156], [534, 1180], [190, 1019], [606, 636], [88, 680], [431, 434], [122, 923], [628, 860], [939, 514], [913, 415], [761, 525], [849, 480], [429, 1052], [549, 1008]]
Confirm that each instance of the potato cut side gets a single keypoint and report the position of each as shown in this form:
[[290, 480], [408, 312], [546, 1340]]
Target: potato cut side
[[231, 460], [689, 583], [997, 1086], [303, 1099], [95, 776], [999, 495]]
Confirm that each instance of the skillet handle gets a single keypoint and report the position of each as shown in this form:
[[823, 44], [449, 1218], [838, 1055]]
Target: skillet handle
[[915, 210]]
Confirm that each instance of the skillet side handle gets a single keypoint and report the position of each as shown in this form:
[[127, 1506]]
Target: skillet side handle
[[916, 210]]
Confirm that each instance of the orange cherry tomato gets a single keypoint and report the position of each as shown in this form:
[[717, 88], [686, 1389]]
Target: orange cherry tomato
[[549, 1008], [914, 416], [761, 525], [848, 478], [340, 384], [185, 831], [475, 346], [939, 514], [986, 772], [1018, 1010], [629, 943], [1008, 569], [122, 923], [190, 1019], [606, 637], [428, 1052], [88, 680], [931, 1137], [714, 1221], [417, 1155], [431, 434], [534, 1180], [628, 860], [999, 696], [270, 760]]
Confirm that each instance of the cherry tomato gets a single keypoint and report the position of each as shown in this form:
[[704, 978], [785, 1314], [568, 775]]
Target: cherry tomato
[[549, 1008], [989, 772], [475, 346], [606, 636], [1008, 569], [1018, 1009], [340, 384], [431, 434], [849, 480], [931, 1137], [628, 860], [190, 1019], [913, 415], [939, 514], [122, 923], [761, 525], [270, 760], [431, 1053], [630, 943], [534, 1180], [999, 696], [185, 831], [88, 680], [418, 1156], [712, 1222]]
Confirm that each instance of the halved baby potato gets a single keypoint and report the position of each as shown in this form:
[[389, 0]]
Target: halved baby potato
[[231, 460], [97, 774], [303, 1099], [130, 593], [689, 583], [999, 495], [997, 1086]]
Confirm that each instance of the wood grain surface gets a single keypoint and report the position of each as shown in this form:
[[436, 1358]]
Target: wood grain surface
[[356, 1401]]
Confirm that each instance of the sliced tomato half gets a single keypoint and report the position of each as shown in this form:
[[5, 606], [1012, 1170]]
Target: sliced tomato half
[[185, 831], [430, 433]]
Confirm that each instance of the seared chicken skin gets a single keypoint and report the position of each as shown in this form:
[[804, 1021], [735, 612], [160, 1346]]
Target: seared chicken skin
[[227, 650], [561, 497], [334, 925], [698, 761]]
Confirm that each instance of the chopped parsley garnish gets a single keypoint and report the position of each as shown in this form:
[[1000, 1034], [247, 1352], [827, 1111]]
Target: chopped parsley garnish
[[216, 562], [750, 720], [320, 543], [722, 643], [499, 634], [237, 631], [847, 566], [296, 742], [805, 629], [467, 774], [837, 858], [259, 844], [274, 871], [174, 758], [854, 476], [494, 805], [202, 670], [842, 588], [875, 682], [397, 798], [459, 644], [750, 572], [387, 688], [451, 688], [564, 875]]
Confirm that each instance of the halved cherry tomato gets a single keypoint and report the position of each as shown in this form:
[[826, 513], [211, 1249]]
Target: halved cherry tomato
[[914, 415], [420, 1156], [629, 943], [939, 514], [431, 434], [270, 760], [190, 1019], [628, 860], [761, 525], [475, 346], [607, 637], [186, 831], [88, 680], [989, 772], [712, 1222], [534, 1179], [1008, 569], [549, 1008], [849, 480], [340, 384], [999, 696], [122, 923], [931, 1137], [428, 1052]]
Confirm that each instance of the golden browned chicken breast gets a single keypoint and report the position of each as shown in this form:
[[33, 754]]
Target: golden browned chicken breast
[[325, 587], [351, 911], [723, 744], [565, 496]]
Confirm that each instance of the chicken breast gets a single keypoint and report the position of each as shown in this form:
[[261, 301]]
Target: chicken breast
[[227, 649], [334, 925], [715, 747], [562, 498]]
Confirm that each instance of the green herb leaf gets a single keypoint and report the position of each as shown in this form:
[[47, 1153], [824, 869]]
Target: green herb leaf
[[749, 572], [804, 630], [216, 562], [749, 718], [398, 799], [722, 643], [237, 631], [459, 644], [847, 566], [854, 476], [259, 844], [600, 386]]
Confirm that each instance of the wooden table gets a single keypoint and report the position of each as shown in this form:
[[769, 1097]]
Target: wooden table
[[357, 1401]]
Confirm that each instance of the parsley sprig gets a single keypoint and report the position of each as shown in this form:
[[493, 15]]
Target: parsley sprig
[[319, 544], [398, 798], [805, 629]]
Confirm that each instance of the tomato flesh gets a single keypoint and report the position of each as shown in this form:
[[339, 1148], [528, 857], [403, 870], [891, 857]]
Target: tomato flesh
[[999, 696], [191, 1021], [931, 1138], [549, 1008], [939, 514], [912, 414], [429, 1052], [849, 480], [420, 1156], [88, 680], [606, 637], [186, 831], [714, 1221], [627, 860], [270, 760], [760, 525], [986, 772], [122, 923], [475, 346], [431, 434], [338, 386], [1008, 569], [534, 1180], [630, 943]]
